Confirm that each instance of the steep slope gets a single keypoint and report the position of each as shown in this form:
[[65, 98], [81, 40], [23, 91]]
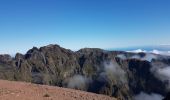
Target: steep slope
[[26, 91]]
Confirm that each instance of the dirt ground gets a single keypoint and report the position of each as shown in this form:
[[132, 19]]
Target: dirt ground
[[26, 91]]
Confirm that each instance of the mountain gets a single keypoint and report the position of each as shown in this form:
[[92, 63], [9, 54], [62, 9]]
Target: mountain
[[123, 75]]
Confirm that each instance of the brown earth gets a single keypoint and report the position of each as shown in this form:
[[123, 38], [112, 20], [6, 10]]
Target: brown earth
[[10, 90]]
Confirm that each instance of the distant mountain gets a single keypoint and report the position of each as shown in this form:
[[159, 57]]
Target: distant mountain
[[124, 75]]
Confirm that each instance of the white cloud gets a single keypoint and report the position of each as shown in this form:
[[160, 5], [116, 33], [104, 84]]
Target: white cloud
[[122, 56], [162, 72], [145, 96], [114, 70], [165, 53], [137, 51], [148, 57], [78, 82], [135, 57]]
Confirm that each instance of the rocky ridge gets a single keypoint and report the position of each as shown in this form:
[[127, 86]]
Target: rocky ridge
[[113, 73]]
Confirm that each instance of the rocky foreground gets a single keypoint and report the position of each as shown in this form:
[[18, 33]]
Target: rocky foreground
[[26, 91]]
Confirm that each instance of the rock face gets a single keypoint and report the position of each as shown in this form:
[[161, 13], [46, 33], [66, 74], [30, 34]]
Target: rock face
[[114, 73]]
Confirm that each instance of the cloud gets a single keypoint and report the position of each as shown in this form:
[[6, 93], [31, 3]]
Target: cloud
[[135, 57], [154, 51], [137, 51], [165, 72], [122, 56], [78, 82], [145, 96], [113, 70], [148, 57], [165, 53], [162, 72]]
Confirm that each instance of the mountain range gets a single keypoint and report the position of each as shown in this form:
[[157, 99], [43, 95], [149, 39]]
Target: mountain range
[[120, 74]]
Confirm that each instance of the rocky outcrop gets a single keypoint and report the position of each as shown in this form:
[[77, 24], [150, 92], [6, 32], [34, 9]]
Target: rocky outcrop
[[92, 70]]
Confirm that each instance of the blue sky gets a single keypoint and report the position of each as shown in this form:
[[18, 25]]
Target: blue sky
[[76, 24]]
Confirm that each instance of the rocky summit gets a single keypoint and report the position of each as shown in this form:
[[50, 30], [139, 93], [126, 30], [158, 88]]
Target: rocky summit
[[119, 74]]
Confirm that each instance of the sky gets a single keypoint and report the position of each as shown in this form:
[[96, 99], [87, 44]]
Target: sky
[[76, 24]]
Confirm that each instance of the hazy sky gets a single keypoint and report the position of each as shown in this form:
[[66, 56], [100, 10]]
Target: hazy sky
[[76, 24]]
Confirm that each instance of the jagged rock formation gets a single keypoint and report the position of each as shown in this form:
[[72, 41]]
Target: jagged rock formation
[[92, 70]]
